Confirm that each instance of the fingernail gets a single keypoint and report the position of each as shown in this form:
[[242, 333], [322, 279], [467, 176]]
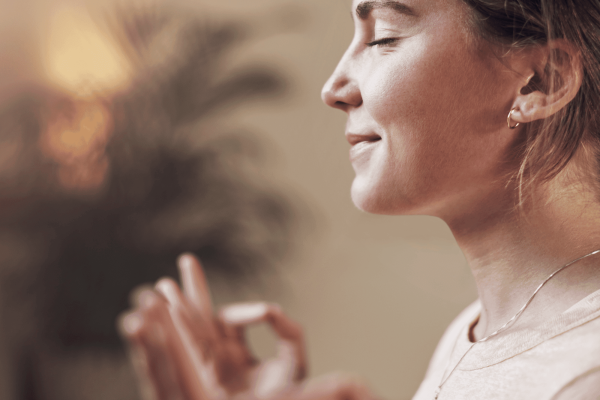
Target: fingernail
[[244, 312], [132, 323]]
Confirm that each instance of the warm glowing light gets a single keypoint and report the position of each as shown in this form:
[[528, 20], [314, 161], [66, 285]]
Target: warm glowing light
[[76, 137], [81, 58]]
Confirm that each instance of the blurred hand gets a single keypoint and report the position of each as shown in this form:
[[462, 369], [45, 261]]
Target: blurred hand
[[182, 350]]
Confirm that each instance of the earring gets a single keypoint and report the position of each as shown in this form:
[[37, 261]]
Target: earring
[[509, 117]]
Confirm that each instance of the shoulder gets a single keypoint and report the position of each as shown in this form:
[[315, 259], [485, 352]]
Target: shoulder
[[451, 335], [582, 348], [450, 339], [585, 386]]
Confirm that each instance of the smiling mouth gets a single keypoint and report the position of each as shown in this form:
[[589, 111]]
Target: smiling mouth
[[355, 139], [362, 146]]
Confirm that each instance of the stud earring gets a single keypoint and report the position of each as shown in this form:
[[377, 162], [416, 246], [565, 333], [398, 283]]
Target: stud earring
[[509, 118]]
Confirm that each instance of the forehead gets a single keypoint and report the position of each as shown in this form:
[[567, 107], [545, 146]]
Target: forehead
[[384, 3], [363, 8]]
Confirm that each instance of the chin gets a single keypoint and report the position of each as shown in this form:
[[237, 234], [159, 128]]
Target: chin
[[368, 198], [377, 197]]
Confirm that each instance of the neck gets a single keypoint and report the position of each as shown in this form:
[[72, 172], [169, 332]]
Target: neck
[[511, 251]]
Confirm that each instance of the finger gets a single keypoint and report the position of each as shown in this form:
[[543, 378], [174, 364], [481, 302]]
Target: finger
[[129, 325], [199, 337], [158, 311], [192, 321], [194, 284], [291, 348], [135, 294], [170, 291], [156, 379], [164, 339]]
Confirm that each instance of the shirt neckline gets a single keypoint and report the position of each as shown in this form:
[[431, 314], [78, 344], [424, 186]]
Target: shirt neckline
[[511, 344]]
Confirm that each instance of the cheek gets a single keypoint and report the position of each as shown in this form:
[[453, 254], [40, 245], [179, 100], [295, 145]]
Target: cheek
[[414, 101], [436, 79], [426, 88], [439, 112]]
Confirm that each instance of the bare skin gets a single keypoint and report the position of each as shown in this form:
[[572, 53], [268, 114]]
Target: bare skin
[[512, 253], [183, 350], [427, 108], [427, 104]]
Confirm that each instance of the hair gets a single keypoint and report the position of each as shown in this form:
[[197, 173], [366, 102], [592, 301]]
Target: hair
[[517, 24]]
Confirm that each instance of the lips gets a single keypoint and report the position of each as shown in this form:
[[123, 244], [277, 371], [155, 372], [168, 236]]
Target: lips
[[354, 138], [362, 147]]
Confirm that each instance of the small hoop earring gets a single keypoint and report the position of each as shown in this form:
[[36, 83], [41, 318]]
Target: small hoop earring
[[509, 117]]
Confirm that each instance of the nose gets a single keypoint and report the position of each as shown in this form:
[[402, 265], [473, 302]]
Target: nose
[[341, 90]]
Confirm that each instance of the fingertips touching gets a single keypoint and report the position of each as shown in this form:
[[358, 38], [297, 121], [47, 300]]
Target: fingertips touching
[[249, 313], [291, 351], [243, 314], [235, 317]]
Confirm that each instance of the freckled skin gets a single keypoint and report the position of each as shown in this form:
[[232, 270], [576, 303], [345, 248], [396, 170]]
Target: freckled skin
[[438, 98]]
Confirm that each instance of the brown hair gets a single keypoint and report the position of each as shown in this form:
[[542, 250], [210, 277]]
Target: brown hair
[[517, 24]]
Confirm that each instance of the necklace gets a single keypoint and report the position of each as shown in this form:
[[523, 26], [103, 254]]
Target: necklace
[[507, 324]]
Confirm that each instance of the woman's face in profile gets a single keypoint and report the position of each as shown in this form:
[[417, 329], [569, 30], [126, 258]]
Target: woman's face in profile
[[427, 103]]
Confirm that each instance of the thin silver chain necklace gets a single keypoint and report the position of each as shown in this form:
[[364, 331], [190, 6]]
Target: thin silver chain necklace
[[506, 325]]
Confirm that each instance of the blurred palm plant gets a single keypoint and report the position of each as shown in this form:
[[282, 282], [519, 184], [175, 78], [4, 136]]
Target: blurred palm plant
[[102, 190]]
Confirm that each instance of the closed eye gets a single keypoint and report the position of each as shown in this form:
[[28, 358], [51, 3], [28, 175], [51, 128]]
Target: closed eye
[[383, 42]]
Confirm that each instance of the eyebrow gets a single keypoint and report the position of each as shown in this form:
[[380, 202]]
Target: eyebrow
[[363, 10]]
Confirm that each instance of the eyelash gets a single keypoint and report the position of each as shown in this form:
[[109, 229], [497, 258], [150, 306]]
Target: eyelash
[[383, 42]]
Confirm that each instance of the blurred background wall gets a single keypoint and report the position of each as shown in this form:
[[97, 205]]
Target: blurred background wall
[[374, 293]]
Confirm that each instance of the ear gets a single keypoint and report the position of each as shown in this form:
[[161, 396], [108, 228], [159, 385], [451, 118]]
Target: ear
[[554, 80]]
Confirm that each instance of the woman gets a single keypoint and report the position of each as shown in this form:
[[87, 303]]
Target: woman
[[479, 112]]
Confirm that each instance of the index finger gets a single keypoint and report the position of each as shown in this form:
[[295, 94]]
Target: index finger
[[290, 336], [194, 284]]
